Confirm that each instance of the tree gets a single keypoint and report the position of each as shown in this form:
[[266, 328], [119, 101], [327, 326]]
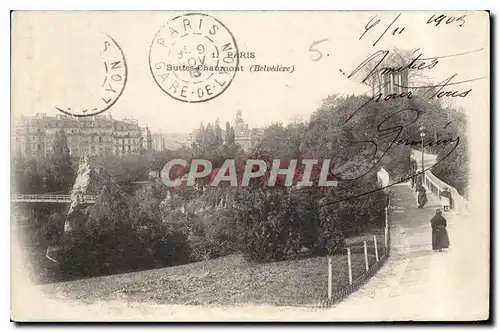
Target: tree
[[229, 135], [210, 139], [105, 242], [33, 178], [455, 168], [200, 135], [61, 166], [52, 230], [282, 141], [19, 180], [218, 134], [232, 137], [110, 213], [145, 215]]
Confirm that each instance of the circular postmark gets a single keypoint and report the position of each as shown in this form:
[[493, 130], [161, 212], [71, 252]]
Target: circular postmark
[[101, 82], [192, 58]]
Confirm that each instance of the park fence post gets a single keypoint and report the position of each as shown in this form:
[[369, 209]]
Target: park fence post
[[330, 277], [376, 248], [366, 256], [386, 238], [386, 213], [386, 230], [349, 265]]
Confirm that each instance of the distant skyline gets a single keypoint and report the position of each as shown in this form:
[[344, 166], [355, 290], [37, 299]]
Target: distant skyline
[[52, 52], [161, 130]]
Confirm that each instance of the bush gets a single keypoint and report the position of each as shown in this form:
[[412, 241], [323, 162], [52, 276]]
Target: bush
[[172, 249], [330, 243], [270, 224], [454, 169], [201, 248], [212, 234]]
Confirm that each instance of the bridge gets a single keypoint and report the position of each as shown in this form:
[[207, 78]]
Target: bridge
[[50, 198]]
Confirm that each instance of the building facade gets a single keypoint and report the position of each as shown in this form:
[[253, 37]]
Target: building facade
[[92, 136], [242, 135], [170, 141], [159, 143]]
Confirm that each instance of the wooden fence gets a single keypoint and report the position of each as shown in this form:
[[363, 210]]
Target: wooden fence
[[331, 297]]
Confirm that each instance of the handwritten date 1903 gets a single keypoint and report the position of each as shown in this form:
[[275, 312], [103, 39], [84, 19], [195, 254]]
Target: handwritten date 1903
[[437, 20]]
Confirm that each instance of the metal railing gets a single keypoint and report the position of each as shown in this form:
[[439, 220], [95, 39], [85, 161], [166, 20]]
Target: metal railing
[[437, 186]]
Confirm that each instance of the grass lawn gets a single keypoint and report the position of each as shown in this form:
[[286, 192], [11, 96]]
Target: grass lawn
[[229, 280]]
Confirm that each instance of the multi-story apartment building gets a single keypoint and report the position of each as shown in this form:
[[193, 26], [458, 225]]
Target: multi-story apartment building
[[159, 142], [170, 141], [92, 136]]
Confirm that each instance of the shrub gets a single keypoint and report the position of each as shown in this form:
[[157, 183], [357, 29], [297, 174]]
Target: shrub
[[212, 233], [269, 223]]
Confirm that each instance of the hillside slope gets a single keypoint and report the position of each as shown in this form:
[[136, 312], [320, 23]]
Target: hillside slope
[[228, 280]]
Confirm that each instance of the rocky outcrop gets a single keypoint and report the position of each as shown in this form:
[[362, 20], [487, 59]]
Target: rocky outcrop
[[77, 193]]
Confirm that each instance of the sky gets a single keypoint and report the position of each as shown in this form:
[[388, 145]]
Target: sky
[[56, 59]]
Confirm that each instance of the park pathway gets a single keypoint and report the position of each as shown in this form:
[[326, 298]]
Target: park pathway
[[417, 283]]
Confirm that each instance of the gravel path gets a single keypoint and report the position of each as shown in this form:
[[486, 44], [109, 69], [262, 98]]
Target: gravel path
[[417, 283]]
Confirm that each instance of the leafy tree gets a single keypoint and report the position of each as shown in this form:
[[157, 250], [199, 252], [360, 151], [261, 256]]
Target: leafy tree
[[283, 141], [110, 213], [61, 166], [34, 180], [145, 215], [218, 134], [210, 139], [229, 135], [455, 168], [232, 137], [105, 241], [18, 169], [200, 136], [51, 232]]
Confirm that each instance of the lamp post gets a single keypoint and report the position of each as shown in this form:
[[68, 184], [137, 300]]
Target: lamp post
[[422, 135]]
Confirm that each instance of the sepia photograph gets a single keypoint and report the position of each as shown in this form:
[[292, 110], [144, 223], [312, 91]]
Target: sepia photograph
[[263, 166]]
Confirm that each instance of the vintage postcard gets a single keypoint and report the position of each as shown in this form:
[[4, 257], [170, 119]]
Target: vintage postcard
[[250, 166]]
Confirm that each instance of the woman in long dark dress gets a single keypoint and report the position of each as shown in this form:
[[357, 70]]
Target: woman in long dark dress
[[440, 238], [418, 181], [421, 197]]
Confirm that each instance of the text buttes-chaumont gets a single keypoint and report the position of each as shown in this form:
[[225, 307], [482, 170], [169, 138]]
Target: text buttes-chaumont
[[253, 68]]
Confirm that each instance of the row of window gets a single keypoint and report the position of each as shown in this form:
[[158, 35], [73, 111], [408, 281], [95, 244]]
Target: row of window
[[100, 140], [76, 151], [57, 124]]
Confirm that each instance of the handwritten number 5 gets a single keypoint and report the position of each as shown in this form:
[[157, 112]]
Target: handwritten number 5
[[311, 49]]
